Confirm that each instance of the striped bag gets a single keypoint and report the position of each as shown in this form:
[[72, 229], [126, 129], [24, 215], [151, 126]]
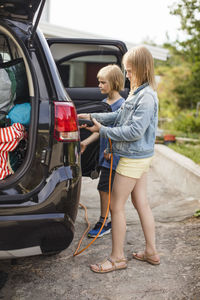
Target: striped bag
[[9, 139]]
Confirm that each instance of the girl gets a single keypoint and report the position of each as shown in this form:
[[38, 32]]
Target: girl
[[111, 82], [133, 137]]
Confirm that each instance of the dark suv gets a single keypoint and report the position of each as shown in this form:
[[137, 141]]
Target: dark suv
[[39, 201]]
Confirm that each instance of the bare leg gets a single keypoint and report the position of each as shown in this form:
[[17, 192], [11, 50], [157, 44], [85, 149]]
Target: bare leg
[[122, 187], [104, 202], [139, 200]]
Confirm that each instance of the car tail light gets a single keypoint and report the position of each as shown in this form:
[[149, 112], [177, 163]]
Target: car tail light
[[65, 122]]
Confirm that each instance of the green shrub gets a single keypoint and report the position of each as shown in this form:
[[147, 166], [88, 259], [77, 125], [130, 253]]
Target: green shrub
[[186, 122]]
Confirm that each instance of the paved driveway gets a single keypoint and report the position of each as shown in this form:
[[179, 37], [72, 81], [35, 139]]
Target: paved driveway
[[64, 277]]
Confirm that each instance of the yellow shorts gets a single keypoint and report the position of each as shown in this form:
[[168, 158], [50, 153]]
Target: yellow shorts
[[132, 167]]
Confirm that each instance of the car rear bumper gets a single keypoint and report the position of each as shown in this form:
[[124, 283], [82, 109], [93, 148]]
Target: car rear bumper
[[33, 235], [11, 254]]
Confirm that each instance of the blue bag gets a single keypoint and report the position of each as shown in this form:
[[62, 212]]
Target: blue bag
[[20, 113]]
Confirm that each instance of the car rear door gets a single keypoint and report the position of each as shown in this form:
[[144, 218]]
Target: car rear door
[[23, 10], [78, 62], [17, 30]]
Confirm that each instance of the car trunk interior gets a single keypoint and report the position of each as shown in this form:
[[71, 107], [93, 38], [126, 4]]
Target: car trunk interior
[[15, 90]]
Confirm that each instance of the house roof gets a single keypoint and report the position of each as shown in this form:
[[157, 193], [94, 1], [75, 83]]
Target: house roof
[[51, 30]]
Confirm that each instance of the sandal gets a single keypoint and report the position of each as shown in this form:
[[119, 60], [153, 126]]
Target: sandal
[[146, 258], [115, 265]]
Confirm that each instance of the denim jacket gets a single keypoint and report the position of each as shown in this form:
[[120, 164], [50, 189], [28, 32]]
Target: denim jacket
[[134, 124]]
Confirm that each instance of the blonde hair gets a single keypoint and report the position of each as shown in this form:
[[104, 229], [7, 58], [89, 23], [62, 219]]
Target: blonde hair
[[142, 66], [114, 75]]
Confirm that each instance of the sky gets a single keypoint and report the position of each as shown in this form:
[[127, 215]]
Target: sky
[[133, 21]]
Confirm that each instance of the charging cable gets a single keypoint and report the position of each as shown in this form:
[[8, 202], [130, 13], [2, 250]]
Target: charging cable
[[107, 211]]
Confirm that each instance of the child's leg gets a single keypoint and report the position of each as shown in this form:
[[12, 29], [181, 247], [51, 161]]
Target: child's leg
[[103, 188], [139, 200], [122, 187], [104, 202]]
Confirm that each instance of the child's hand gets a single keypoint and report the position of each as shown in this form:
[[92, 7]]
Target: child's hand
[[96, 126], [107, 155], [83, 147], [84, 116], [83, 126]]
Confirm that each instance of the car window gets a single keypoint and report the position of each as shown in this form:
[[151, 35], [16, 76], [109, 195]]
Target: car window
[[78, 65], [8, 50]]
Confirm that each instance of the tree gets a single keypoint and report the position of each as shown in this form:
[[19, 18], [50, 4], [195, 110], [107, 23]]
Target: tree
[[189, 13]]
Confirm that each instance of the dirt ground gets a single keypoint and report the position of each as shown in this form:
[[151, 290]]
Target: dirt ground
[[64, 277]]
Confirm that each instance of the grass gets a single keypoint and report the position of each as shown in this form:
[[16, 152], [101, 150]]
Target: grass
[[190, 150], [187, 148], [197, 214]]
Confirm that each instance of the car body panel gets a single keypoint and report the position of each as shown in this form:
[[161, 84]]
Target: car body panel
[[48, 183]]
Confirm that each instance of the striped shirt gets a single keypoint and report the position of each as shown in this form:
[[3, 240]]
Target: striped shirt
[[9, 139]]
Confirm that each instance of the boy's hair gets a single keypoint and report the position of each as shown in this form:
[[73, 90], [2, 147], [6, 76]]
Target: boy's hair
[[114, 75], [142, 65]]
